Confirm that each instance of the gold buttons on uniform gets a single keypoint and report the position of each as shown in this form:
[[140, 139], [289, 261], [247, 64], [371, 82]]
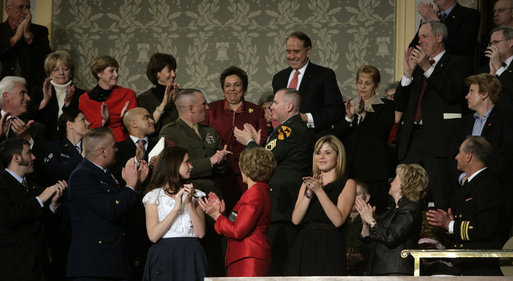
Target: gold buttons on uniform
[[117, 202]]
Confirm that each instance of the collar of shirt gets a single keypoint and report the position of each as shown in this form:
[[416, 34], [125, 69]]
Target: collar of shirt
[[187, 122], [449, 10], [475, 174], [226, 106], [135, 139], [100, 167], [16, 176], [485, 116], [300, 76], [508, 62], [437, 58], [375, 100]]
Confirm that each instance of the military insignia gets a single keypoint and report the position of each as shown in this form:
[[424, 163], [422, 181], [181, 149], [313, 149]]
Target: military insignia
[[271, 145], [210, 139], [284, 132], [48, 158], [65, 156], [250, 110]]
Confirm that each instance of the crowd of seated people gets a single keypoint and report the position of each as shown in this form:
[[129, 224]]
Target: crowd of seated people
[[317, 199]]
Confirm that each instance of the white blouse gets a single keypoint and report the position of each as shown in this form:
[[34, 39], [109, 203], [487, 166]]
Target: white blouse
[[182, 226]]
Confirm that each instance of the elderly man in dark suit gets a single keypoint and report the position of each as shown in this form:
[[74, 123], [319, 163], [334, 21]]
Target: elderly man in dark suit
[[22, 214], [291, 145], [321, 98], [500, 53], [462, 25], [98, 206], [474, 216], [431, 95], [23, 45]]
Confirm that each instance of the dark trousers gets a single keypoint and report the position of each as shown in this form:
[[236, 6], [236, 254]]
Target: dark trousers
[[281, 237], [441, 175]]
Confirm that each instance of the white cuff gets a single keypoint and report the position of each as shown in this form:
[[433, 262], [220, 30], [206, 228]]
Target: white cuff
[[451, 227], [405, 81], [310, 123]]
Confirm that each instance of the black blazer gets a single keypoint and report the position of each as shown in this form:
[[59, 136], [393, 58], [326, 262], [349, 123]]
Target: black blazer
[[367, 143], [31, 57], [126, 150], [22, 243], [395, 230], [49, 114], [443, 98], [320, 95], [97, 206], [462, 27], [60, 159]]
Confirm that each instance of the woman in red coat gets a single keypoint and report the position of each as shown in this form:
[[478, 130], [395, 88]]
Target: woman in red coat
[[224, 115], [248, 252], [106, 104]]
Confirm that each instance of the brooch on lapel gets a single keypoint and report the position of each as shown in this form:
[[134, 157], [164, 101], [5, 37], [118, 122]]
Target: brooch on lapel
[[210, 139], [250, 110]]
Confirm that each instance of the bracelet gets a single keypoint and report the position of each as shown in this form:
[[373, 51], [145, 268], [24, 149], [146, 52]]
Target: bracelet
[[372, 224], [308, 196]]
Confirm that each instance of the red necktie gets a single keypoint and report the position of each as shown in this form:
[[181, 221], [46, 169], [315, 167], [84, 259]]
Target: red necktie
[[418, 110], [293, 82]]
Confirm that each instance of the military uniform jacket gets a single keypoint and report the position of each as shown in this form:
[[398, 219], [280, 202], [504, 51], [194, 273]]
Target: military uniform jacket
[[60, 159], [476, 211], [291, 145], [97, 206]]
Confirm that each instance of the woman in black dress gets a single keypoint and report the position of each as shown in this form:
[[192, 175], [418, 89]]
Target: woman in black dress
[[364, 131], [323, 205], [396, 229]]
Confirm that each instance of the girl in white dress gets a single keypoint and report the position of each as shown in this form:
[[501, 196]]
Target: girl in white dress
[[174, 221]]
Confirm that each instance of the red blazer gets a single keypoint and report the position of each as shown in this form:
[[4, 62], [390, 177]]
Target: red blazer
[[115, 104], [247, 236]]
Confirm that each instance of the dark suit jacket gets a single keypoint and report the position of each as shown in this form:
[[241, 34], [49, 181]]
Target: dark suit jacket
[[477, 209], [366, 143], [320, 95], [126, 150], [506, 79], [31, 57], [463, 27], [444, 95], [97, 206], [21, 229], [247, 235], [292, 147], [498, 131], [49, 114]]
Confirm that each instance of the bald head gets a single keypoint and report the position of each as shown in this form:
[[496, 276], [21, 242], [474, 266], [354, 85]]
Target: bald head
[[139, 122]]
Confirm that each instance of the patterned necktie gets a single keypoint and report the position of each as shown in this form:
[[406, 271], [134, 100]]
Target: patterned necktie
[[25, 184], [143, 141], [294, 81], [418, 110]]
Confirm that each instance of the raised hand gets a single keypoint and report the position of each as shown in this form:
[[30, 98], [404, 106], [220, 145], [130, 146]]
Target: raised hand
[[47, 93], [104, 111], [70, 91], [125, 109]]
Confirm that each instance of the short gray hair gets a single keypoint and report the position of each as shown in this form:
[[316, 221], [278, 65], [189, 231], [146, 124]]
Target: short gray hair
[[438, 28], [7, 85], [507, 31], [293, 96]]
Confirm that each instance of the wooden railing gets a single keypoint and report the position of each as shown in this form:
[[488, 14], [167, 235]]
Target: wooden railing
[[453, 253]]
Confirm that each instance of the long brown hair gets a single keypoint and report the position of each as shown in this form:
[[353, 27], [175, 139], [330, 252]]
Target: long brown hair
[[167, 170]]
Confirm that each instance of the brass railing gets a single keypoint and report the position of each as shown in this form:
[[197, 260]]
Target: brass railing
[[453, 253]]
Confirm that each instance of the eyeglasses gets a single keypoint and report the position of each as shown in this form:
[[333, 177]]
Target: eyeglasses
[[496, 42], [501, 10]]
